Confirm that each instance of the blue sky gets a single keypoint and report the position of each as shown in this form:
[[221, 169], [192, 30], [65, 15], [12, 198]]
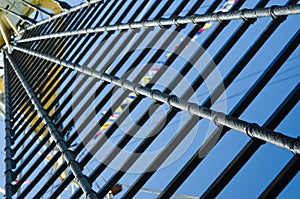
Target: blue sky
[[269, 159]]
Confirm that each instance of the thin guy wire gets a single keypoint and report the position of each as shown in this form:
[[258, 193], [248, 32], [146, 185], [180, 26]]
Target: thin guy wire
[[220, 16], [219, 118]]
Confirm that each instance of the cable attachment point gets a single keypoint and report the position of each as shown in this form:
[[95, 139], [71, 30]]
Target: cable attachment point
[[175, 21], [172, 97], [249, 129], [272, 13], [159, 24], [216, 117], [217, 17], [295, 145], [242, 15], [192, 18]]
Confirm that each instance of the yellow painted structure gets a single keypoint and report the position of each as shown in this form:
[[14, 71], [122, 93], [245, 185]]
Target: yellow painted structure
[[8, 21], [8, 26]]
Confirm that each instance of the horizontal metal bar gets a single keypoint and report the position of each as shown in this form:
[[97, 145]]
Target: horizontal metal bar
[[240, 14], [60, 142], [255, 131]]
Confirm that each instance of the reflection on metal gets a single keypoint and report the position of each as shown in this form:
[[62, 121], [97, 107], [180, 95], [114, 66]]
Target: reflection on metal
[[68, 75]]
